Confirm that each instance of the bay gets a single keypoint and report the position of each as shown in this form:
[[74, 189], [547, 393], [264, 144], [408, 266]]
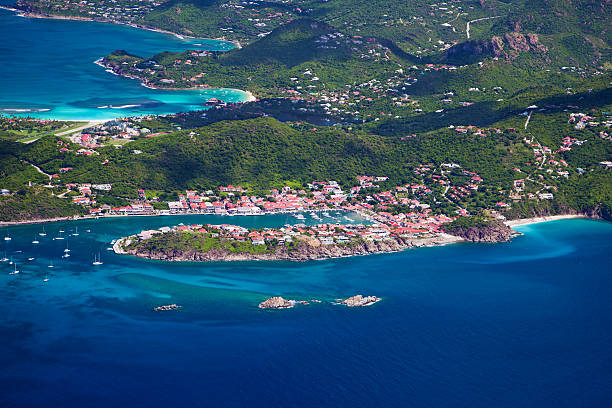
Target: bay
[[526, 323], [47, 70]]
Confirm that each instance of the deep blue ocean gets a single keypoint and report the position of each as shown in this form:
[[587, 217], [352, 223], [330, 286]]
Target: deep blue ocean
[[47, 70], [520, 324]]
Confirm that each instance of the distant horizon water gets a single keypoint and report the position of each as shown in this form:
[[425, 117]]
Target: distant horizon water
[[49, 70]]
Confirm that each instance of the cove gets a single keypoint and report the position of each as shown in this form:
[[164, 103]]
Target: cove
[[48, 70]]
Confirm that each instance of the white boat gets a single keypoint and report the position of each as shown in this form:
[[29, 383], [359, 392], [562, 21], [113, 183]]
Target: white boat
[[42, 234], [7, 238], [46, 280], [88, 231], [15, 271], [31, 259], [36, 241], [3, 259], [66, 250], [76, 232], [11, 261], [61, 231], [97, 260]]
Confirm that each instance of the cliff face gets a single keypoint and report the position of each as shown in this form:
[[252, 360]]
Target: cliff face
[[494, 231], [508, 47], [302, 252]]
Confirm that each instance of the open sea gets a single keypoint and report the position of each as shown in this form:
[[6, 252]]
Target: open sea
[[520, 324], [47, 70]]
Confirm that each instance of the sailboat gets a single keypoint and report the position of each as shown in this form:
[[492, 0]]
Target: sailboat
[[11, 261], [36, 241], [42, 234], [50, 265], [5, 258], [46, 280], [60, 236], [97, 260], [7, 238], [76, 231], [15, 271], [31, 259]]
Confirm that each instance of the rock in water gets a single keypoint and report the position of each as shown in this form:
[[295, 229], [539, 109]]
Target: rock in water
[[360, 300], [276, 302]]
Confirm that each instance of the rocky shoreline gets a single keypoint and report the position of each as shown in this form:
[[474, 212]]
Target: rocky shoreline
[[493, 231], [302, 252]]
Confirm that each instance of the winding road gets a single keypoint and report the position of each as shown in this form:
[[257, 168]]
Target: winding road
[[467, 29]]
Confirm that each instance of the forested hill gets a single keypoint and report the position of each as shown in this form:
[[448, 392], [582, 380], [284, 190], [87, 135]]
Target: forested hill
[[571, 31], [301, 47]]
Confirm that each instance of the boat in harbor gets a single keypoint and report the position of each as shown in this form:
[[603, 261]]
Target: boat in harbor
[[31, 259], [15, 271], [76, 232], [36, 241], [7, 238], [43, 233], [97, 260]]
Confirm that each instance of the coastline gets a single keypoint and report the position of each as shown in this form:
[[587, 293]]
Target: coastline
[[536, 220], [23, 13], [109, 68], [305, 252]]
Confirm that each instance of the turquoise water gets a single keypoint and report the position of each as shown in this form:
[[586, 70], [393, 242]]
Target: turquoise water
[[48, 70], [526, 323]]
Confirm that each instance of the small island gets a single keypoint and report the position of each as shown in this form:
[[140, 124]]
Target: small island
[[360, 301], [277, 302]]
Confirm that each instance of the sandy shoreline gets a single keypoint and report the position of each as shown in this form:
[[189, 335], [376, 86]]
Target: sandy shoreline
[[536, 220]]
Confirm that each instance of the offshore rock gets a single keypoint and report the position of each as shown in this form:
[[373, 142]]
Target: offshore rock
[[360, 301], [276, 302]]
